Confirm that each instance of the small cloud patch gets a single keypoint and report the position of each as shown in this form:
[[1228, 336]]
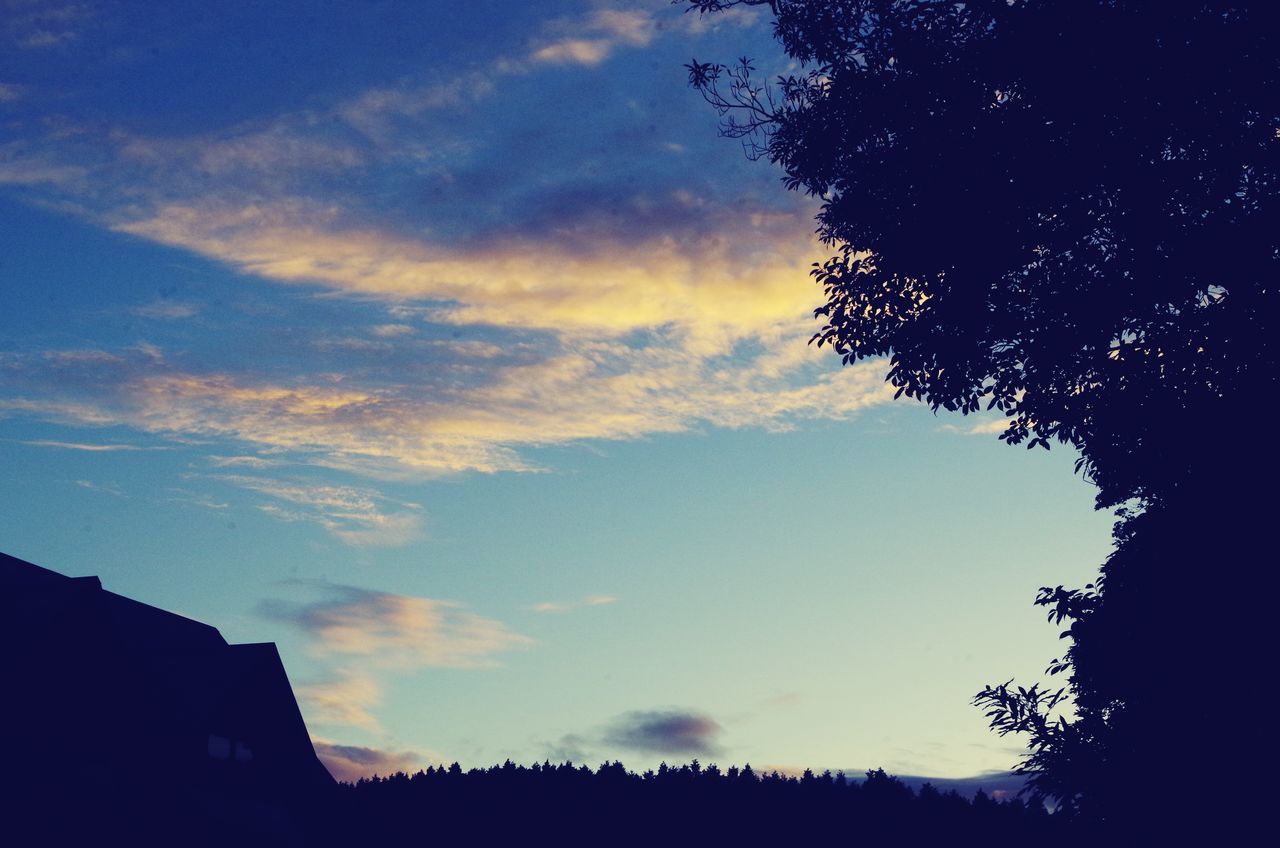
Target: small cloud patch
[[675, 732], [566, 606], [395, 631]]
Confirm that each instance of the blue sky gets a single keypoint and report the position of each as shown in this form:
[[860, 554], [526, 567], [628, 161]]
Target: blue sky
[[448, 347]]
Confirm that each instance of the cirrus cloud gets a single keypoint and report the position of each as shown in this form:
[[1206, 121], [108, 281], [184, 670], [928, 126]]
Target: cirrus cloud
[[618, 293]]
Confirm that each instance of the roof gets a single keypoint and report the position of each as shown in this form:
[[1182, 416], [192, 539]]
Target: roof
[[110, 686]]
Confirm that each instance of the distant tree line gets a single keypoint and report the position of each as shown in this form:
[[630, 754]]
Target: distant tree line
[[574, 804]]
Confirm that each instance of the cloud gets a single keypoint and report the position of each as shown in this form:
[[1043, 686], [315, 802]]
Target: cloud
[[626, 26], [654, 733], [355, 515], [982, 427], [83, 446], [388, 331], [741, 17], [751, 273], [35, 172], [367, 635], [197, 499], [377, 112], [165, 310], [244, 462], [675, 732], [349, 763], [108, 488], [347, 701], [570, 748], [395, 631], [583, 51], [606, 308], [44, 25], [594, 38], [666, 381], [566, 606], [10, 92]]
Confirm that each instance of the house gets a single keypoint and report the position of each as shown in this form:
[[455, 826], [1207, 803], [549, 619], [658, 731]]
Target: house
[[121, 706]]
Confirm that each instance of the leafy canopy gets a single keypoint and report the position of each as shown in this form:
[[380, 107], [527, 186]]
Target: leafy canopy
[[1066, 211]]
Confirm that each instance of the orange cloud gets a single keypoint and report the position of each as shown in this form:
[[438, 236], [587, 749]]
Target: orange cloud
[[592, 40], [623, 331], [347, 701], [370, 634], [749, 275], [590, 390], [396, 631]]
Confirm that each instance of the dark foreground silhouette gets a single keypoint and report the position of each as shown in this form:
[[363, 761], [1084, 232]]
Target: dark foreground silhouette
[[127, 722], [687, 805], [129, 725]]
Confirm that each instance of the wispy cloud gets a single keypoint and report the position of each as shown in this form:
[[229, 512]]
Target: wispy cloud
[[107, 488], [388, 331], [244, 462], [38, 171], [981, 427], [584, 51], [166, 310], [355, 515], [566, 606], [35, 26], [377, 113], [85, 446], [593, 390], [395, 631], [608, 311], [349, 700], [590, 40], [184, 496]]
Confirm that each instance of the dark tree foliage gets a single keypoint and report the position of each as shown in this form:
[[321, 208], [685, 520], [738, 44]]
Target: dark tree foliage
[[1062, 210], [1066, 210]]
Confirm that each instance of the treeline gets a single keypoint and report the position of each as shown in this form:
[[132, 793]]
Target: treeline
[[575, 805]]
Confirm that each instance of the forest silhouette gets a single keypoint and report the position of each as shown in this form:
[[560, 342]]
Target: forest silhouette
[[685, 804]]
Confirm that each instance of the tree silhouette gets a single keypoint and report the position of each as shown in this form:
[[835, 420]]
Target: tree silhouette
[[689, 803], [1065, 212]]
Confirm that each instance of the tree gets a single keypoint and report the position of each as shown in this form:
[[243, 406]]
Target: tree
[[1067, 212]]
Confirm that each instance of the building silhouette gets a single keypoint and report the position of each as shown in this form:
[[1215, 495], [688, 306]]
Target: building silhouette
[[123, 716]]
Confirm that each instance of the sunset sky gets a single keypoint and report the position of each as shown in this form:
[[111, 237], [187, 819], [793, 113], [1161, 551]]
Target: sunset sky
[[447, 346]]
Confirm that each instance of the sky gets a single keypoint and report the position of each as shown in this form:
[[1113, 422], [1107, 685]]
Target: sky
[[449, 347]]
